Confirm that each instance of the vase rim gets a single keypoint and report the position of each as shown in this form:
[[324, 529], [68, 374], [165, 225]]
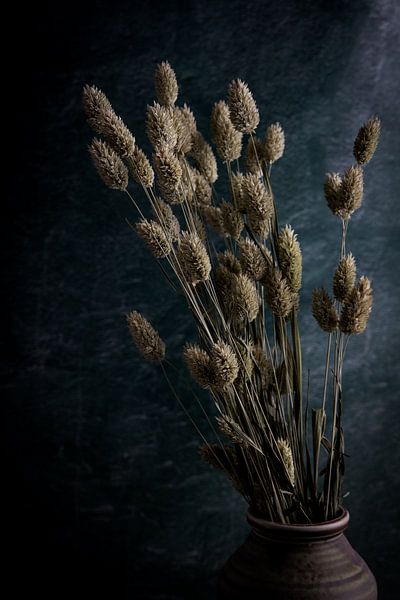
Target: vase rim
[[301, 531]]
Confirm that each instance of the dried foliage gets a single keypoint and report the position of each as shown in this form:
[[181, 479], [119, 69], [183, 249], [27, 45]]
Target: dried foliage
[[241, 279]]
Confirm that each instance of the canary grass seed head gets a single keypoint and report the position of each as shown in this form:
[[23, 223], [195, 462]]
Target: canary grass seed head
[[225, 365], [245, 301], [226, 138], [165, 84], [254, 156], [184, 134], [242, 107], [169, 174], [356, 308], [154, 236], [160, 127], [232, 220], [332, 185], [96, 105], [287, 458], [141, 169], [351, 191], [167, 219], [109, 165], [213, 217], [290, 258], [229, 260], [199, 365], [193, 258], [344, 277], [324, 311], [252, 261], [280, 298], [367, 140], [204, 157], [146, 338], [274, 143]]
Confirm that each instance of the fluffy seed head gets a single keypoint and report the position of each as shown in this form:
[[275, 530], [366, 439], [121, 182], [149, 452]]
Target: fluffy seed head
[[213, 217], [184, 134], [356, 308], [279, 296], [229, 260], [169, 174], [109, 165], [146, 338], [199, 365], [142, 171], [193, 258], [351, 191], [225, 365], [160, 126], [367, 140], [324, 311], [165, 84], [252, 260], [154, 237], [232, 220], [238, 191], [242, 107], [96, 105], [287, 458], [290, 258], [257, 204], [344, 277], [245, 301], [102, 119], [167, 220], [204, 157], [274, 143], [226, 138], [332, 184], [203, 190], [265, 367]]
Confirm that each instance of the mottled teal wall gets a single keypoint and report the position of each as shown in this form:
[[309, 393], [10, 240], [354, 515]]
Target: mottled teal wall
[[104, 475]]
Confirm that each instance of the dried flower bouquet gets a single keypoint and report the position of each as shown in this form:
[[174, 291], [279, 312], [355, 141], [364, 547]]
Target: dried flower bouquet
[[245, 299]]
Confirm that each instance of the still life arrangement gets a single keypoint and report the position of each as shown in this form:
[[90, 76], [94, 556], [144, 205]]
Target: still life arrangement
[[240, 273]]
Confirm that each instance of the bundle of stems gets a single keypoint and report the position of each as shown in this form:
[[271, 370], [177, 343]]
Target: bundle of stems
[[240, 274]]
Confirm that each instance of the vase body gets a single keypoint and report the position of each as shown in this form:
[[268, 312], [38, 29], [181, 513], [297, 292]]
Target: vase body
[[296, 562]]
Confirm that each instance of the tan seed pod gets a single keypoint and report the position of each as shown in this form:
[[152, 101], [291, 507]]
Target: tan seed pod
[[142, 171], [274, 143], [167, 220], [356, 308], [213, 217], [351, 191], [367, 140], [184, 135], [229, 260], [165, 84], [199, 228], [224, 364], [254, 157], [154, 237], [258, 204], [242, 107], [238, 191], [252, 260], [199, 365], [324, 311], [203, 190], [332, 185], [146, 338], [96, 105], [232, 431], [193, 258], [189, 119], [344, 277], [169, 174], [245, 301], [279, 296], [225, 280], [232, 220], [109, 166], [160, 127], [227, 140], [290, 258], [287, 459], [204, 157]]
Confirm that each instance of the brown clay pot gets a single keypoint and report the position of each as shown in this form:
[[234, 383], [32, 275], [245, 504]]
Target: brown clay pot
[[297, 562]]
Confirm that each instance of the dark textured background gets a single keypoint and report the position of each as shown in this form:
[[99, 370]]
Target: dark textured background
[[106, 496]]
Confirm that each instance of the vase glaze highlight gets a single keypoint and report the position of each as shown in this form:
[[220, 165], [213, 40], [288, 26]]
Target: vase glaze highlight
[[296, 562]]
